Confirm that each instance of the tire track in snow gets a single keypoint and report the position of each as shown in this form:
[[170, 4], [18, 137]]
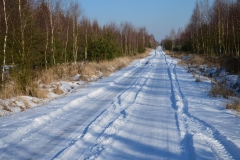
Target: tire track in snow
[[188, 151], [110, 121], [105, 138], [103, 113], [40, 122], [190, 125]]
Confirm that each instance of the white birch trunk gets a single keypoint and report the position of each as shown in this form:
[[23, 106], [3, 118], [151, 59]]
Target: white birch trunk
[[52, 36], [66, 44], [46, 47], [86, 43], [22, 52], [5, 40]]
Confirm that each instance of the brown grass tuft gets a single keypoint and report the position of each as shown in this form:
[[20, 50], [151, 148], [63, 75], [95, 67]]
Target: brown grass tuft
[[235, 105], [41, 93], [25, 102], [9, 90], [57, 90], [27, 105], [35, 91], [22, 108], [218, 90], [46, 76], [12, 103]]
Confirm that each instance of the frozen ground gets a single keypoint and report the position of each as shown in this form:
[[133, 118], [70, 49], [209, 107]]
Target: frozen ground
[[152, 109]]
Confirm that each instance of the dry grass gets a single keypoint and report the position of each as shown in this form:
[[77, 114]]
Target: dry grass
[[218, 90], [22, 108], [12, 103], [181, 63], [26, 104], [235, 105], [66, 72], [57, 90], [195, 59], [5, 107], [41, 93], [178, 55], [9, 90], [35, 91], [47, 76]]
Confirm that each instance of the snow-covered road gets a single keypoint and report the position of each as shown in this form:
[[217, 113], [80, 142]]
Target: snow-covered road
[[152, 109]]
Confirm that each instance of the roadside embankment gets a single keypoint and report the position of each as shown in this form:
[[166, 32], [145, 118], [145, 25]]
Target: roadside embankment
[[222, 73]]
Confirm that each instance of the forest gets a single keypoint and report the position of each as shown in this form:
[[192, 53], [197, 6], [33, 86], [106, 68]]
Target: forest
[[36, 35], [213, 30]]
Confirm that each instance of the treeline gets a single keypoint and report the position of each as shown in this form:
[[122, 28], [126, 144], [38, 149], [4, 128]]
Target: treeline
[[38, 34], [212, 30]]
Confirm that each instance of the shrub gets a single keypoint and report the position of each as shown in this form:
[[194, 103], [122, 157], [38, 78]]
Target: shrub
[[231, 64], [104, 47], [168, 44]]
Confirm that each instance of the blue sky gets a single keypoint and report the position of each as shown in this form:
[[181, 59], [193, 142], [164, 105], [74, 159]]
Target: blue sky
[[158, 16]]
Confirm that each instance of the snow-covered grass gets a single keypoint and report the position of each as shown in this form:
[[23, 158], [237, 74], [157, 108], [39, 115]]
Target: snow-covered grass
[[58, 82], [223, 83]]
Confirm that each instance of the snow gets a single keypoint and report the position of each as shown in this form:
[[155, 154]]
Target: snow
[[21, 103], [218, 74], [153, 109]]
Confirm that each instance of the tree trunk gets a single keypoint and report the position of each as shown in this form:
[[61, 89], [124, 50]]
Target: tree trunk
[[5, 40], [86, 43], [66, 44], [46, 47], [234, 38], [52, 36], [22, 28], [125, 44], [75, 40], [219, 31]]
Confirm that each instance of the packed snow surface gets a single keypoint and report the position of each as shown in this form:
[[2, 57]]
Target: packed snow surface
[[152, 109]]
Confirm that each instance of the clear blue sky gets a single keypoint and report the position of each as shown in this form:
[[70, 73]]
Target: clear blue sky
[[158, 16]]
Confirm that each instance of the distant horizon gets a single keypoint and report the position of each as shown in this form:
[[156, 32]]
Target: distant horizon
[[159, 17]]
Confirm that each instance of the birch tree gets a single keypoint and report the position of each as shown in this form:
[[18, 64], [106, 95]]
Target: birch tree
[[67, 37], [43, 18], [86, 29], [76, 12], [22, 29], [125, 35], [5, 39], [52, 28]]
